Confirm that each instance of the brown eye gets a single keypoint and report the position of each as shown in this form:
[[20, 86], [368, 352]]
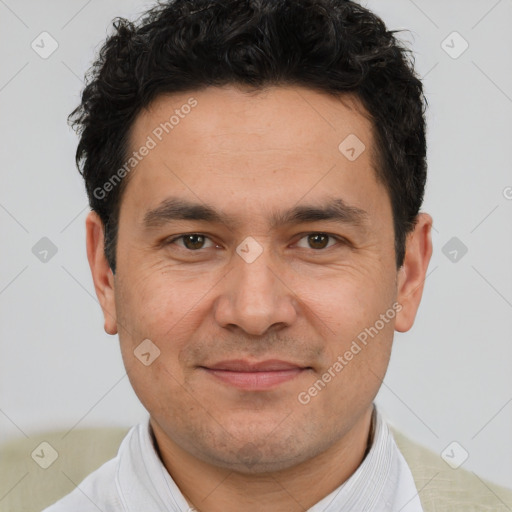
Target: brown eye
[[318, 240], [193, 241], [189, 243]]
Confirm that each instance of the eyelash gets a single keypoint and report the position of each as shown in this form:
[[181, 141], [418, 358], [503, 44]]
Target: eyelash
[[339, 239]]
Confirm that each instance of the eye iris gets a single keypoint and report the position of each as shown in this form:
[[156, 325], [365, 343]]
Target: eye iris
[[318, 240], [193, 241]]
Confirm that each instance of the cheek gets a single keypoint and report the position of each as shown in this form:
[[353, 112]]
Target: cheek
[[156, 323], [351, 301], [149, 309], [157, 303], [358, 309]]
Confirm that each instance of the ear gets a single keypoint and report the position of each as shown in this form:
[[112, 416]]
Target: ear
[[411, 275], [101, 272]]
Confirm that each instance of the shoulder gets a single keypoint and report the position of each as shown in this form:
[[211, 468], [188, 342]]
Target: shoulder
[[37, 471], [442, 488], [96, 491]]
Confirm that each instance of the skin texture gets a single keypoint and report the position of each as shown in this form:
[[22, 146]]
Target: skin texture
[[250, 155]]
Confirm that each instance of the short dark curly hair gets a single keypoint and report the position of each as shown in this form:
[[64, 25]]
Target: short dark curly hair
[[331, 46]]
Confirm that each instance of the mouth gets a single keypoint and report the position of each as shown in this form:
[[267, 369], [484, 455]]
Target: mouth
[[255, 376]]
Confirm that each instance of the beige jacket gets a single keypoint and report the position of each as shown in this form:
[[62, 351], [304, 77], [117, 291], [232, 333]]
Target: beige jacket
[[443, 489]]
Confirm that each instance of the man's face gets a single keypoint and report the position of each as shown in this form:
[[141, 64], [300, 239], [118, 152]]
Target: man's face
[[246, 327]]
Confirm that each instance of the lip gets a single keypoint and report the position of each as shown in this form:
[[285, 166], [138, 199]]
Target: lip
[[255, 376]]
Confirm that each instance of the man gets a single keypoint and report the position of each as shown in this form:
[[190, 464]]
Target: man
[[255, 171]]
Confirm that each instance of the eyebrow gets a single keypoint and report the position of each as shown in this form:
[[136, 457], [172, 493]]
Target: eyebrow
[[334, 209]]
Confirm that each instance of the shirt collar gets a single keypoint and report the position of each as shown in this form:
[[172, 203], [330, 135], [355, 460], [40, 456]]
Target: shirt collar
[[382, 482]]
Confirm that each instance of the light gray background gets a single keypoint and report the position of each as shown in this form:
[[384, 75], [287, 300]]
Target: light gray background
[[450, 377]]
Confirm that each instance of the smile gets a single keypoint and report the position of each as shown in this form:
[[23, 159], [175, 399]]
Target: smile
[[254, 376]]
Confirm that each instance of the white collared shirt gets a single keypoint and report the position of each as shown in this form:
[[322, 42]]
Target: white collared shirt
[[136, 480]]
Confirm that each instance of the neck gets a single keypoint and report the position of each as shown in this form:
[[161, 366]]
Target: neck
[[212, 489]]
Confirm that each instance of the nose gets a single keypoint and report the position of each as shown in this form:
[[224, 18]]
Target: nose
[[255, 297]]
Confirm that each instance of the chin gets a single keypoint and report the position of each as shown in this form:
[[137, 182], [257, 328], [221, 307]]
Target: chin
[[252, 459], [259, 452]]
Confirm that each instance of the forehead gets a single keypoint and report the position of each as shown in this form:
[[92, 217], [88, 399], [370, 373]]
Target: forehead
[[225, 143], [254, 117]]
